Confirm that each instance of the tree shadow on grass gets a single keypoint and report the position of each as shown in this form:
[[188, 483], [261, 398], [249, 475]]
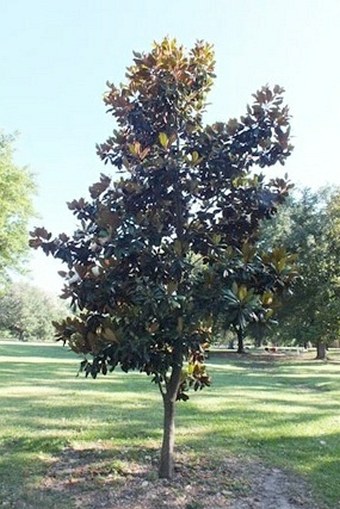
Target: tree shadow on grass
[[126, 478]]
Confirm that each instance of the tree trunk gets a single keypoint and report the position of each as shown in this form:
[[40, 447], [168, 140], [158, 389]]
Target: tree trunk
[[21, 335], [166, 466], [240, 345], [259, 335], [321, 352]]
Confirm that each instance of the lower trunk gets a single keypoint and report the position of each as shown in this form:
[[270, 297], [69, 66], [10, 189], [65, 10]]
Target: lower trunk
[[321, 352], [166, 466], [21, 336], [240, 345]]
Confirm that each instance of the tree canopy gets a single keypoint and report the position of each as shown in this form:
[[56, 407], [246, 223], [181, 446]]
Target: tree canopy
[[170, 249], [309, 225], [16, 191]]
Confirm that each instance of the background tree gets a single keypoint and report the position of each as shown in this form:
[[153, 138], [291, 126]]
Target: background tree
[[169, 249], [26, 313], [309, 225], [16, 192]]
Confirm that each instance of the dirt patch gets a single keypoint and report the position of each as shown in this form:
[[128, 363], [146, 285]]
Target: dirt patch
[[95, 478]]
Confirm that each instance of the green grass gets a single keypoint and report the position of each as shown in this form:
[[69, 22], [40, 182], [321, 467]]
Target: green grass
[[285, 412]]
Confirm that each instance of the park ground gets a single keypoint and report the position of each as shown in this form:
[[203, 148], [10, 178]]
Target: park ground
[[266, 435]]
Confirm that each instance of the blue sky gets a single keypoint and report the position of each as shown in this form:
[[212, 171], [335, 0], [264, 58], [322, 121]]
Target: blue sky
[[55, 58]]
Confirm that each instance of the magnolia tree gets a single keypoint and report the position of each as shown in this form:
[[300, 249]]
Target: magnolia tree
[[167, 252]]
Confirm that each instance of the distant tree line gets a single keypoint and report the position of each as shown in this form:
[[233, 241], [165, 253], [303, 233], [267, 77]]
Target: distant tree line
[[308, 226], [26, 313]]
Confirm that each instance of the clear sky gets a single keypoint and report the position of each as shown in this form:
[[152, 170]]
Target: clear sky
[[55, 58]]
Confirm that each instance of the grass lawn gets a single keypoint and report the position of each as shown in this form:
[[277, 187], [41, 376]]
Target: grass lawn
[[286, 413]]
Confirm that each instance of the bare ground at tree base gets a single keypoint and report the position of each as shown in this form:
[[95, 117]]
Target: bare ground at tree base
[[90, 478]]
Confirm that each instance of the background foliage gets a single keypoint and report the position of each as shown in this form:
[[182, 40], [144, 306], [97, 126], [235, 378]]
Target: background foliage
[[17, 188], [27, 313], [308, 224]]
